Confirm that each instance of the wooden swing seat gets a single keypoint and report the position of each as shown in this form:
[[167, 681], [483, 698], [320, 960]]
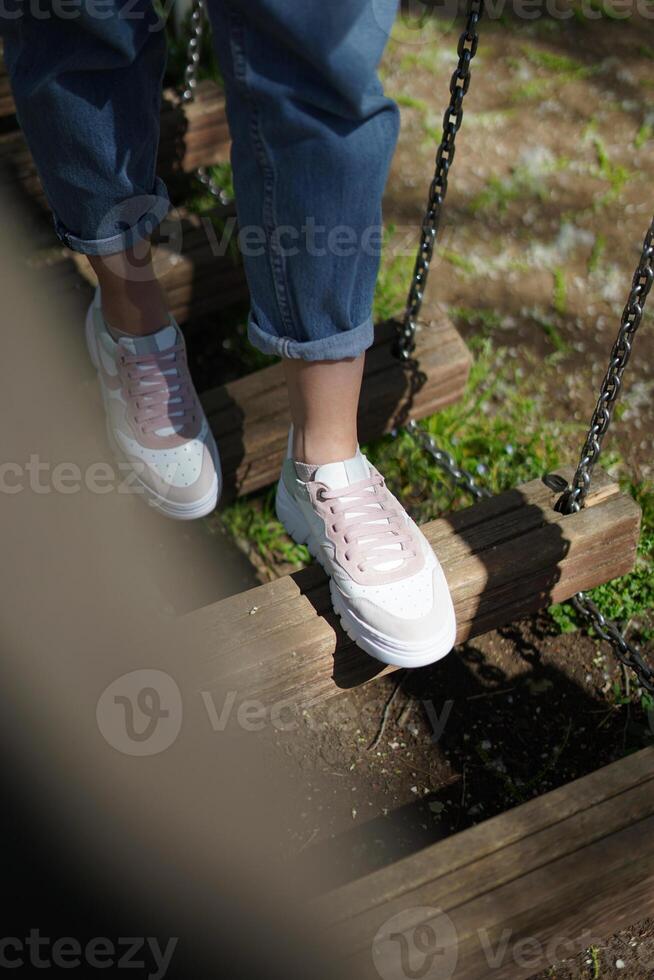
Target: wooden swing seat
[[504, 558]]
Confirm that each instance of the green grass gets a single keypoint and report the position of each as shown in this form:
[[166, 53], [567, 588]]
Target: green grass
[[644, 134], [485, 320], [499, 192], [410, 102], [253, 524], [630, 600], [597, 253], [394, 279], [553, 334], [457, 260], [595, 962], [560, 68], [499, 431], [200, 200], [558, 64], [560, 297], [615, 174]]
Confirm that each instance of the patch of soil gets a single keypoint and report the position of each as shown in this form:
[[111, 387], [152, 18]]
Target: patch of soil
[[507, 717]]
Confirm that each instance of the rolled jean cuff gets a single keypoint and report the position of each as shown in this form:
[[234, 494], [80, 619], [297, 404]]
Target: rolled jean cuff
[[140, 215], [337, 347]]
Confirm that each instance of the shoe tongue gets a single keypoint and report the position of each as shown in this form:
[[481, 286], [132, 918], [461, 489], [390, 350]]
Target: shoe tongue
[[162, 340], [337, 476]]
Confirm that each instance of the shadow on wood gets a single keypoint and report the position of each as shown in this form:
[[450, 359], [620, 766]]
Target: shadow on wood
[[503, 558]]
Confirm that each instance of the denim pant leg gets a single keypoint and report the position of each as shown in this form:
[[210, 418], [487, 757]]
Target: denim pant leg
[[87, 89], [313, 135]]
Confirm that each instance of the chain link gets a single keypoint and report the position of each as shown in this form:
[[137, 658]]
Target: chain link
[[447, 463], [574, 496], [626, 652], [193, 51], [210, 184], [193, 55], [573, 499], [459, 84]]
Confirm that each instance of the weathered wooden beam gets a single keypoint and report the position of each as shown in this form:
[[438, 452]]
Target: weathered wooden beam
[[193, 134], [250, 417], [7, 107], [508, 897], [503, 558]]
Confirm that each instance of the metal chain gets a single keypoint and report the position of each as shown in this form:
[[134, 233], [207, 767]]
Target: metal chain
[[459, 84], [626, 652], [574, 498], [193, 51], [193, 55], [447, 463]]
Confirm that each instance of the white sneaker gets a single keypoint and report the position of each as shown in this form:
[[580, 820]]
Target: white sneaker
[[155, 421], [386, 583]]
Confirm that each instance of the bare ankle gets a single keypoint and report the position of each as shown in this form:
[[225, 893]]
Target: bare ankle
[[317, 445], [132, 298], [324, 398]]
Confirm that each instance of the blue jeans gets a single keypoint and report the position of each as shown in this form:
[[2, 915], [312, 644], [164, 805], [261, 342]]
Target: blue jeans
[[313, 135]]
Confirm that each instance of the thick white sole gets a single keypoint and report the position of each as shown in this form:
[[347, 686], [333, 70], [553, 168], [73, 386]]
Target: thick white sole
[[387, 649], [179, 512]]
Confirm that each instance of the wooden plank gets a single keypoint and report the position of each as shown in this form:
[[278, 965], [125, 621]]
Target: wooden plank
[[193, 134], [7, 107], [578, 859], [503, 558], [250, 417]]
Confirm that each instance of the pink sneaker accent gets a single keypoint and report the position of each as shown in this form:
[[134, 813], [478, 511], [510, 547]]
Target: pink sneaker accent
[[157, 387], [372, 540], [155, 421], [386, 583]]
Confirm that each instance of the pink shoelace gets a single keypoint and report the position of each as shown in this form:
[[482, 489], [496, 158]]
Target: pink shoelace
[[161, 399], [371, 508]]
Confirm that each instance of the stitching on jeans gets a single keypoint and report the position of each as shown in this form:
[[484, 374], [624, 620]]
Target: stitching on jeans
[[237, 44]]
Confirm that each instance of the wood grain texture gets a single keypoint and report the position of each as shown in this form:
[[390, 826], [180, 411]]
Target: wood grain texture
[[503, 558], [7, 107], [527, 886]]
